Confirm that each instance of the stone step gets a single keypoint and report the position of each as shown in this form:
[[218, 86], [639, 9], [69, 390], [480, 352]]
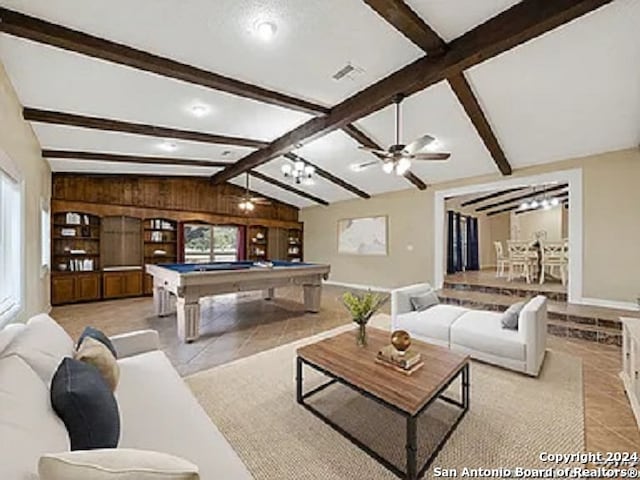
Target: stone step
[[565, 320], [499, 286]]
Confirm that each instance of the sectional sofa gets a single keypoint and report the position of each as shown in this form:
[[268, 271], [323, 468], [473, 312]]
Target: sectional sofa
[[476, 332]]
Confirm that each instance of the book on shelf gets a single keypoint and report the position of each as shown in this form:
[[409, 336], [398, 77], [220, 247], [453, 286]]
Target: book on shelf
[[407, 360]]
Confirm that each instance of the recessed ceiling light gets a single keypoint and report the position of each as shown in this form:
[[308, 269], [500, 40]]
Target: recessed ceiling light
[[266, 30], [200, 110], [168, 146]]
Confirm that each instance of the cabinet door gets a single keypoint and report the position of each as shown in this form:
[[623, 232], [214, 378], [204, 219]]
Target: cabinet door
[[112, 285], [148, 284], [87, 287], [62, 289], [132, 285]]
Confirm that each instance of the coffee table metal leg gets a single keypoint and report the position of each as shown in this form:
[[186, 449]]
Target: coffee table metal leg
[[465, 387], [299, 380], [412, 448]]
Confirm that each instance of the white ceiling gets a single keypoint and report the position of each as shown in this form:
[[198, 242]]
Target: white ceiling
[[574, 91]]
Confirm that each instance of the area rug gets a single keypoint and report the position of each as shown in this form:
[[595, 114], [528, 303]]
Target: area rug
[[511, 420]]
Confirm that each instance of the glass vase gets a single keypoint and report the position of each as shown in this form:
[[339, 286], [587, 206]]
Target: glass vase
[[362, 335]]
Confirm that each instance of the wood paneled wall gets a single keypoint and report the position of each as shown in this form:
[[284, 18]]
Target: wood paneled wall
[[193, 194]]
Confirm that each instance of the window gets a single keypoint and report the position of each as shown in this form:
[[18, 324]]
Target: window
[[10, 246], [45, 237], [210, 243]]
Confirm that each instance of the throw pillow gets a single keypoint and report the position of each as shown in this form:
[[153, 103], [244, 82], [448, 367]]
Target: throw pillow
[[115, 464], [98, 335], [96, 353], [511, 315], [424, 301], [83, 401]]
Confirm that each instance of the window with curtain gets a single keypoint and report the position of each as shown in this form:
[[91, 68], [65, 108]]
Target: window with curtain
[[10, 247], [45, 236]]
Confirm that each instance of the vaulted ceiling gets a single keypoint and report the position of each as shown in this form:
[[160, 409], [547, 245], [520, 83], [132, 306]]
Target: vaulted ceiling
[[572, 88]]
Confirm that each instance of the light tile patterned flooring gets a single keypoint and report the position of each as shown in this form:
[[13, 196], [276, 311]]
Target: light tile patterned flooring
[[236, 326]]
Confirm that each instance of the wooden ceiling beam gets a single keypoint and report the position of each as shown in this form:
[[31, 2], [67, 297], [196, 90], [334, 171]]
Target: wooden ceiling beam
[[287, 187], [409, 23], [469, 102], [107, 124], [491, 196], [111, 157], [366, 141], [41, 31], [526, 196], [329, 176], [522, 22]]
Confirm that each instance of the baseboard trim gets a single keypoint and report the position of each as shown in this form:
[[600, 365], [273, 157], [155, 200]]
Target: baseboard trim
[[356, 286], [601, 302]]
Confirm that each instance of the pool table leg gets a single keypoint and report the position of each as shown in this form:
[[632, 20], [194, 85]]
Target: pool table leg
[[161, 301], [188, 319], [269, 293], [312, 295]]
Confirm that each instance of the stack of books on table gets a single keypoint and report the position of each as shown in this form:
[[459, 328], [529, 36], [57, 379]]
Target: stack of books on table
[[406, 363]]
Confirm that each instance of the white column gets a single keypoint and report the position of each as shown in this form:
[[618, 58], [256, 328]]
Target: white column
[[161, 301], [188, 320]]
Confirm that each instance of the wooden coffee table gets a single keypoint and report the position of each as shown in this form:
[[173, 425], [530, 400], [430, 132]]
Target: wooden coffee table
[[344, 362]]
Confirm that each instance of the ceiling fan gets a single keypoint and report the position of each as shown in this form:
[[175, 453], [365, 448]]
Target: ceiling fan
[[398, 157], [247, 203]]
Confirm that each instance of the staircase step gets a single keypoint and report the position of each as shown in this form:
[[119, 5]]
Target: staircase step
[[595, 324], [500, 286]]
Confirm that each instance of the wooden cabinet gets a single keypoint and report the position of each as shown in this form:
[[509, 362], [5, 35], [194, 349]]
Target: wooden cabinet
[[631, 363], [119, 284], [74, 287]]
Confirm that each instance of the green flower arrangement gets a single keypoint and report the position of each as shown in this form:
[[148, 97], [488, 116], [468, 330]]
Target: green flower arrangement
[[362, 307]]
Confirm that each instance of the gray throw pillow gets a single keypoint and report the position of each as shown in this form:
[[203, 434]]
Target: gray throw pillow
[[424, 301], [510, 316]]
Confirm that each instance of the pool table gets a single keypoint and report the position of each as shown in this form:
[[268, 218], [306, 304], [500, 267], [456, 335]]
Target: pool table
[[190, 282]]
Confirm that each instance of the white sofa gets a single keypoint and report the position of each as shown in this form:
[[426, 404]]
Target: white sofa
[[478, 333], [157, 410]]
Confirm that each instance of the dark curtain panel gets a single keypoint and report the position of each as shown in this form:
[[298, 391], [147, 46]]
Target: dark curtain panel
[[473, 260], [451, 266], [458, 249]]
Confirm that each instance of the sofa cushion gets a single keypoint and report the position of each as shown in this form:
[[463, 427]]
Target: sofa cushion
[[28, 426], [424, 301], [160, 413], [8, 333], [482, 331], [90, 332], [115, 464], [510, 316], [431, 323], [42, 344], [83, 400], [96, 353]]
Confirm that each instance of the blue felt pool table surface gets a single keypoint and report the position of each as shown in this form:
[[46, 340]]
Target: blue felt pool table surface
[[222, 266]]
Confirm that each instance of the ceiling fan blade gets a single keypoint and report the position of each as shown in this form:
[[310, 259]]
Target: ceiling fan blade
[[418, 144], [377, 151], [260, 200], [361, 166], [430, 156]]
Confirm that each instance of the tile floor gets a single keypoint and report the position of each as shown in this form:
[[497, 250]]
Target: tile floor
[[239, 326]]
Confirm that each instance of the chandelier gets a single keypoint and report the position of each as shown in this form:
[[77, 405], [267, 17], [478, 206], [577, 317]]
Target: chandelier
[[300, 172]]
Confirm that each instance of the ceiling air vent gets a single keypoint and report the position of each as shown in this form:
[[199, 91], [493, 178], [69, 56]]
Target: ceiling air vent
[[349, 71]]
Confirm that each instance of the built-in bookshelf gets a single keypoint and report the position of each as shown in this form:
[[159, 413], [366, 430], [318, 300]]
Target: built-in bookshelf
[[160, 245], [294, 245], [76, 242], [257, 243]]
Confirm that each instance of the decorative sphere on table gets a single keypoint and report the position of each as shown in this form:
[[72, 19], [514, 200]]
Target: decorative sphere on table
[[401, 340]]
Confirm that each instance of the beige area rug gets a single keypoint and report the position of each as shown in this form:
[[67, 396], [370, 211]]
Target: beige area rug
[[511, 420]]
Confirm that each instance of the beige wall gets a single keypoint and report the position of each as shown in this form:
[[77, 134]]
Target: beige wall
[[611, 222], [529, 223], [19, 143]]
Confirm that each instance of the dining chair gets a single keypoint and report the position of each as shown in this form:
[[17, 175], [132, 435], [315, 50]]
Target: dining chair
[[554, 259], [523, 259], [501, 259]]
